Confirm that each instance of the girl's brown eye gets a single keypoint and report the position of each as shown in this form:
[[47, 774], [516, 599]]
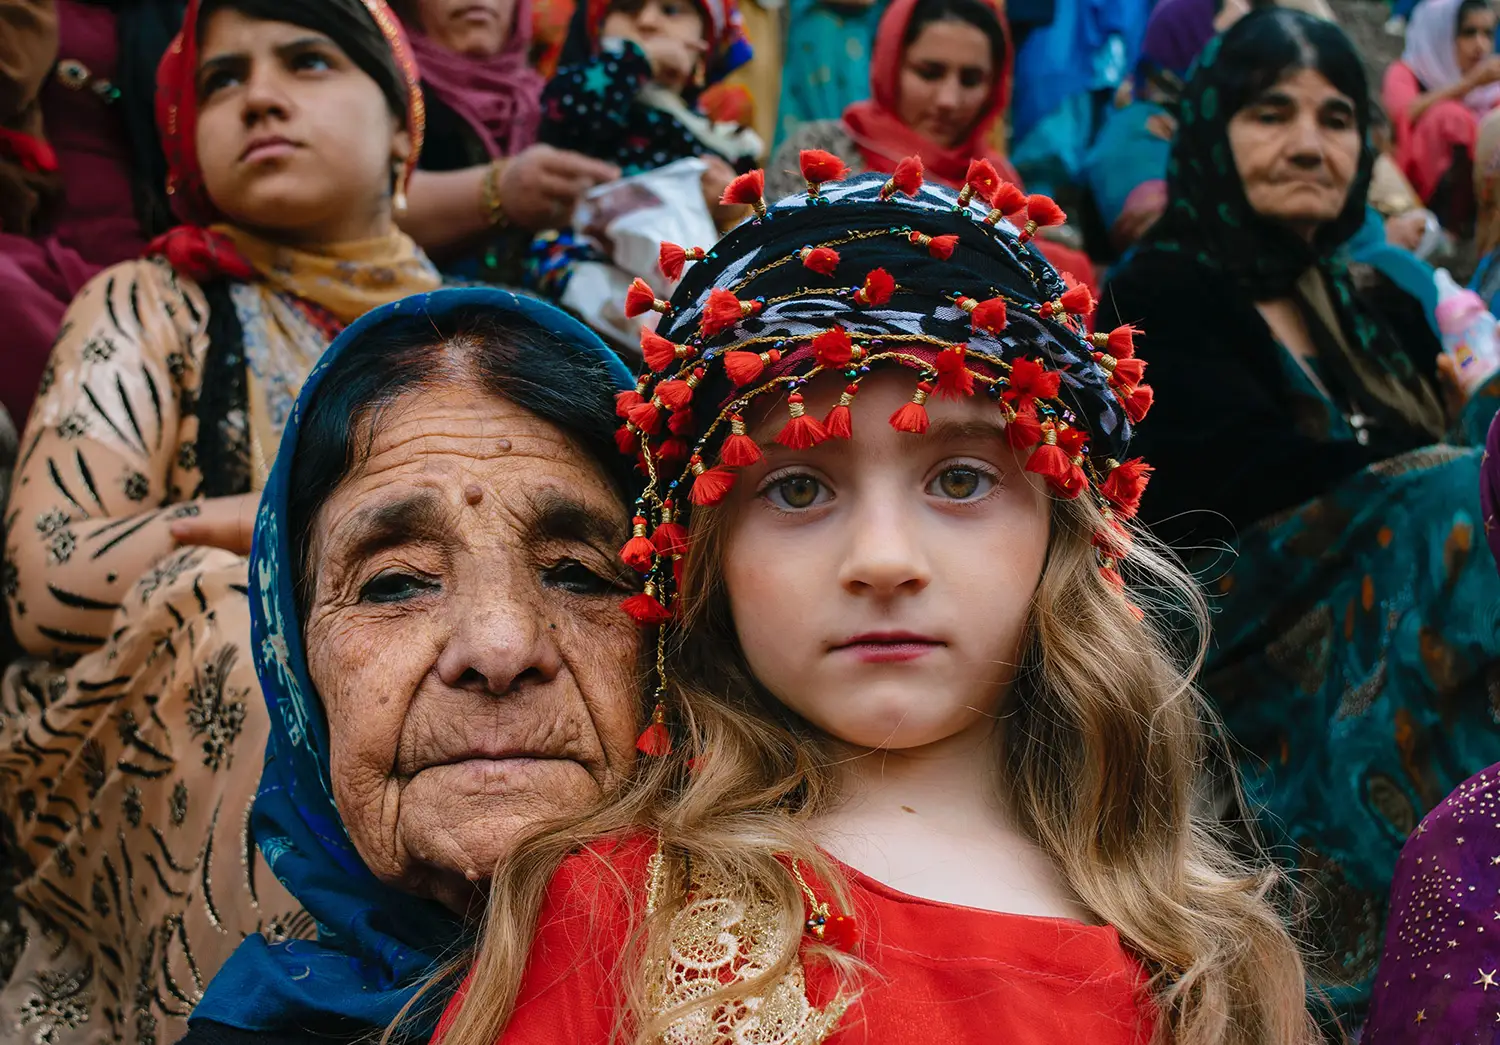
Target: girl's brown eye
[[961, 484], [799, 491]]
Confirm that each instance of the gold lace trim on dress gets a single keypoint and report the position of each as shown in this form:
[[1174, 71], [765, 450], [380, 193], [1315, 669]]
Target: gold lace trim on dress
[[718, 940]]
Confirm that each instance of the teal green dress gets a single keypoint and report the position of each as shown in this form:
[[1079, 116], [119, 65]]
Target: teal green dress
[[1356, 664], [827, 64]]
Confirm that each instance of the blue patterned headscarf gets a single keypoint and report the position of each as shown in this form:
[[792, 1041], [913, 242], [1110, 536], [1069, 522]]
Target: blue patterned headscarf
[[375, 944]]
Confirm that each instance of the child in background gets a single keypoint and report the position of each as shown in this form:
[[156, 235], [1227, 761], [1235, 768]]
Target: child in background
[[923, 747]]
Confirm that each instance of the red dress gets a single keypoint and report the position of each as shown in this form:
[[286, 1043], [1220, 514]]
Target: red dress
[[942, 973]]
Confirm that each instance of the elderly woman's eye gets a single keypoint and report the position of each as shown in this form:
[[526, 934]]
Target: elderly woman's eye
[[961, 483], [573, 576], [394, 587]]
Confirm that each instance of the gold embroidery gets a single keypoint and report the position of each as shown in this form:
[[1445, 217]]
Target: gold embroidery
[[718, 940]]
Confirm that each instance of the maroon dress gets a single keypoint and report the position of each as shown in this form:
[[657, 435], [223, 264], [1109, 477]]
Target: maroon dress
[[96, 225]]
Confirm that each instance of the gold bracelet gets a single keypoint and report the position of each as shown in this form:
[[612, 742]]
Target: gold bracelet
[[494, 210]]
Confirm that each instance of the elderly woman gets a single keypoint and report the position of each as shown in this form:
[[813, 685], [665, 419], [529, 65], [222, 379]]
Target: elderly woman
[[439, 639], [483, 182], [130, 745], [1356, 628]]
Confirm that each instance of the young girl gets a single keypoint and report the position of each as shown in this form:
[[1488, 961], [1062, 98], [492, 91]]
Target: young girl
[[919, 766]]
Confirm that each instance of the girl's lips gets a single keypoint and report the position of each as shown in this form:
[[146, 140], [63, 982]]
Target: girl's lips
[[889, 648]]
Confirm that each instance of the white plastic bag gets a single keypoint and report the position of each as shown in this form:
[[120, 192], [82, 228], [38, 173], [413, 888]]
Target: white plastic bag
[[627, 221]]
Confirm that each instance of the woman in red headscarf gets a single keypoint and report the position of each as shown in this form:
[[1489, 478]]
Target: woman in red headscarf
[[940, 83], [131, 742]]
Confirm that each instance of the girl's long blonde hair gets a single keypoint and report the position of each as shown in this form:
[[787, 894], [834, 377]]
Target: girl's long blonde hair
[[1106, 742]]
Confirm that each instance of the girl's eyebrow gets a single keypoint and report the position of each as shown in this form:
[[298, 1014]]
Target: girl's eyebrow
[[953, 431]]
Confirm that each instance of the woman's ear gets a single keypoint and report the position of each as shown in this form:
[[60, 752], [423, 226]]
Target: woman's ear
[[400, 145]]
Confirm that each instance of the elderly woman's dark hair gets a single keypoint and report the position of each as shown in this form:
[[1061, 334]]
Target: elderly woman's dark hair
[[496, 354], [977, 13]]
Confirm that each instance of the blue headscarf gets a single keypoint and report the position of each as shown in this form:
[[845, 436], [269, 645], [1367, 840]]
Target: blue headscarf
[[375, 944]]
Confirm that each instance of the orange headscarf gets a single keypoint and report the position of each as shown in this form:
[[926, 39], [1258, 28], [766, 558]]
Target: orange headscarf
[[884, 140]]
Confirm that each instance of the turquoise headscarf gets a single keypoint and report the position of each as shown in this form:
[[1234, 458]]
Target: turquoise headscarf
[[375, 944]]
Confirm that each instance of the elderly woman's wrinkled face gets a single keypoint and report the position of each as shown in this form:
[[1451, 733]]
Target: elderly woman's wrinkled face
[[293, 137], [465, 636], [478, 28], [1297, 148]]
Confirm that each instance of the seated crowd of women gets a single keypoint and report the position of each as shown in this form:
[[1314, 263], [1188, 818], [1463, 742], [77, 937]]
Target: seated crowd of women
[[397, 659]]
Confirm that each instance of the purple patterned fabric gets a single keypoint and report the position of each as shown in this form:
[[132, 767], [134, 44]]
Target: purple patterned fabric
[[1489, 487], [1439, 979]]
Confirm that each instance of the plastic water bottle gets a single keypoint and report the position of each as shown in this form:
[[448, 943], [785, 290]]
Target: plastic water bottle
[[1469, 332]]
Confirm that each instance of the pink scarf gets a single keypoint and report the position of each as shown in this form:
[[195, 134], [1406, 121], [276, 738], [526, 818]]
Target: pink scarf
[[498, 97]]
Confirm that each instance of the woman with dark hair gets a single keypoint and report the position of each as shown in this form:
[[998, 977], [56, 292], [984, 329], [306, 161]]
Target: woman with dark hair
[[439, 641], [1448, 78], [132, 740], [940, 82], [1356, 624]]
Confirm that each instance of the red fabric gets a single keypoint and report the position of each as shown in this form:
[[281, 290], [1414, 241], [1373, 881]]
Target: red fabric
[[201, 254], [1424, 150], [177, 110], [885, 141], [943, 973], [33, 154]]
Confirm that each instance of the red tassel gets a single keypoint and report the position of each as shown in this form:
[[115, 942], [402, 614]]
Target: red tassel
[[1138, 403], [1119, 342], [724, 310], [626, 440], [822, 260], [878, 287], [819, 166], [801, 432], [739, 450], [907, 180], [1125, 485], [748, 190], [982, 180], [672, 258], [627, 401], [745, 367], [658, 352], [1072, 440], [840, 422], [913, 416], [640, 299], [1112, 577], [1009, 199], [1023, 430], [645, 608], [1077, 300], [1128, 372], [841, 932], [989, 315], [639, 553], [1029, 380], [709, 485], [672, 452], [942, 247], [1113, 541], [954, 379], [671, 539], [655, 741], [1041, 212], [1050, 462], [647, 417], [832, 348], [681, 423], [675, 394]]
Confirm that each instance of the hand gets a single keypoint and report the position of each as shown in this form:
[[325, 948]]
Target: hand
[[221, 522], [1486, 72], [1406, 230], [541, 186]]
